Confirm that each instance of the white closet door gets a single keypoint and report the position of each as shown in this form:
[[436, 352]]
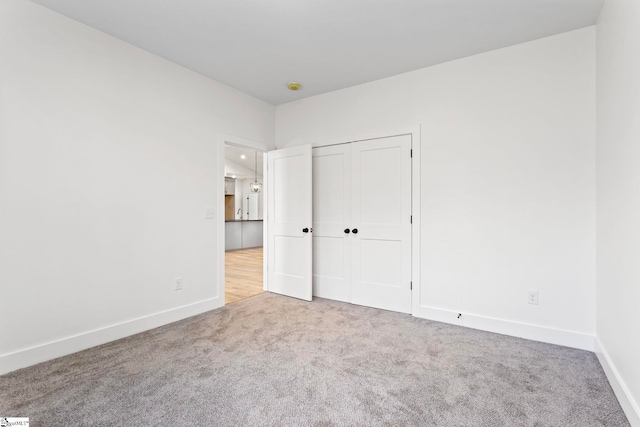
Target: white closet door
[[289, 255], [381, 223], [331, 217]]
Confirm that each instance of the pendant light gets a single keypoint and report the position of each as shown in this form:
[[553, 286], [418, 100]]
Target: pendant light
[[255, 186]]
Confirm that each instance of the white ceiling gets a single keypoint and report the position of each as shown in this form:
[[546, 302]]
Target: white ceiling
[[242, 168], [258, 46]]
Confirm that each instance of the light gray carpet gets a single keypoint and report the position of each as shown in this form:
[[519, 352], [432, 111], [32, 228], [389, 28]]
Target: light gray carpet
[[273, 360]]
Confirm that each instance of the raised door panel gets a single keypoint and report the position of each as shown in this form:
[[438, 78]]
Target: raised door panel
[[381, 214], [289, 257], [331, 216]]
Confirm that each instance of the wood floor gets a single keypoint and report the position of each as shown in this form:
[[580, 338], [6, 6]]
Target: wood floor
[[243, 274]]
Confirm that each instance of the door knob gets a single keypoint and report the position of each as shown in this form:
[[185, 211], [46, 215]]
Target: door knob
[[305, 230], [354, 231], [346, 230]]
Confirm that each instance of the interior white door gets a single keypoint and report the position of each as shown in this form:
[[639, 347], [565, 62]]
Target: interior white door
[[289, 216], [381, 223], [332, 222]]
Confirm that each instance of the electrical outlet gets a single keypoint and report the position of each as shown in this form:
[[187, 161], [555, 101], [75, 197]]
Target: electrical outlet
[[532, 297], [209, 213], [178, 282]]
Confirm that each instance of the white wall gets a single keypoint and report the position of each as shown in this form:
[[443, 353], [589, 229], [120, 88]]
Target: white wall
[[618, 199], [107, 161], [508, 180]]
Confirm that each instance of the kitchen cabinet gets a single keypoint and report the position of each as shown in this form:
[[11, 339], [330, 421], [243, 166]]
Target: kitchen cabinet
[[232, 235], [251, 206], [251, 234], [240, 234], [229, 186]]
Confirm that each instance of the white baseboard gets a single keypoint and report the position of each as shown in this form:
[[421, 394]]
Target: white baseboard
[[62, 347], [507, 327], [629, 405]]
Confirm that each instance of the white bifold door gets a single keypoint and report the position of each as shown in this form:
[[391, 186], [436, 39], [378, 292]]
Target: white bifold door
[[362, 223], [332, 222], [289, 242]]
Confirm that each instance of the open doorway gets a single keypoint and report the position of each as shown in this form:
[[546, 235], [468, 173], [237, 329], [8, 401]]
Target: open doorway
[[244, 213]]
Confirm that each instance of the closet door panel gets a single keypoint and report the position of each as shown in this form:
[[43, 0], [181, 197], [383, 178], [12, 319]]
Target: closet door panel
[[381, 214], [331, 216]]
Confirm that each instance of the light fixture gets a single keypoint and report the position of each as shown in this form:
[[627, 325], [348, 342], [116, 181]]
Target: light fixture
[[255, 186], [293, 86], [242, 156]]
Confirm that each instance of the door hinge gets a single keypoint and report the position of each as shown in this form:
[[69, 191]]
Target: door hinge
[[411, 153], [411, 219], [411, 283]]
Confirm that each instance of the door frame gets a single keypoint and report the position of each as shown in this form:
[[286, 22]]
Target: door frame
[[416, 143], [222, 141]]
